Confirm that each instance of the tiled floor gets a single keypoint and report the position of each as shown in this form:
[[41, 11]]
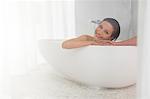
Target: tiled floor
[[44, 84]]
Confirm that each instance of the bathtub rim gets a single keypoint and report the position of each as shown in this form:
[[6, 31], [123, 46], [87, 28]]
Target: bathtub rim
[[62, 40]]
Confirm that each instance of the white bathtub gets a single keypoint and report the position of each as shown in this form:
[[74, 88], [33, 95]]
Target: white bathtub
[[104, 66]]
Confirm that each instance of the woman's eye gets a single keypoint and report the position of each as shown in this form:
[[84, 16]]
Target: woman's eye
[[106, 32]]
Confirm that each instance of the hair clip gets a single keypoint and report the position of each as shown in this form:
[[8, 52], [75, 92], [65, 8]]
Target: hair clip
[[96, 21]]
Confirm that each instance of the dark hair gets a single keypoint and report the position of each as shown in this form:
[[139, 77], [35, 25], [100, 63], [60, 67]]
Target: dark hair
[[116, 27]]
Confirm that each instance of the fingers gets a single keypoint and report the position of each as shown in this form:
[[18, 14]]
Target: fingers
[[104, 43], [95, 43]]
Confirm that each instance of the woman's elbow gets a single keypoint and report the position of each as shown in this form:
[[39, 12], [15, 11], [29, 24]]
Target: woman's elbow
[[65, 45]]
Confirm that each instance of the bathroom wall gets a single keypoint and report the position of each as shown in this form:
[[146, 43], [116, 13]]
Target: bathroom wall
[[122, 10], [134, 20]]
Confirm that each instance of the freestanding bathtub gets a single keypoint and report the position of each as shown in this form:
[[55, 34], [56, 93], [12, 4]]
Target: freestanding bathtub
[[103, 66]]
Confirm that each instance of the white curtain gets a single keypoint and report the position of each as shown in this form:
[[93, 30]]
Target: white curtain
[[22, 24], [143, 91]]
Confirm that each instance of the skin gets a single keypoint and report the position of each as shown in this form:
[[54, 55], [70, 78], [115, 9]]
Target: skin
[[129, 42], [104, 31], [102, 36]]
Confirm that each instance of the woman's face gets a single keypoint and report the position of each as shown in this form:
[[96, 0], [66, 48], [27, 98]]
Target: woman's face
[[104, 31]]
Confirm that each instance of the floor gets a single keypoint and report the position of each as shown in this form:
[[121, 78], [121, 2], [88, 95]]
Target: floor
[[43, 83]]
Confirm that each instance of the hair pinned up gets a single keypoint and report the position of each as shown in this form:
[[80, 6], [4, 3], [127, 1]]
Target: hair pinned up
[[116, 27]]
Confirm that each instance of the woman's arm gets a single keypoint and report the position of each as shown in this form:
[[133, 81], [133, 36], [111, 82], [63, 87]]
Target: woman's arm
[[81, 41], [129, 42]]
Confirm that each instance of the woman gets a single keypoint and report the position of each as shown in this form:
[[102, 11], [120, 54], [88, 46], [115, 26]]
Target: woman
[[108, 30]]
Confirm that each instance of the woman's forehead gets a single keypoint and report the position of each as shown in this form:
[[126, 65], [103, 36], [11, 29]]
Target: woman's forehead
[[107, 25]]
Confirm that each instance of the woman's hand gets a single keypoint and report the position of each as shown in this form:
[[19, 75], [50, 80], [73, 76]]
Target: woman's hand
[[102, 43]]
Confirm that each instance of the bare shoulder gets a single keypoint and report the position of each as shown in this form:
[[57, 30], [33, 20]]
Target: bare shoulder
[[85, 37]]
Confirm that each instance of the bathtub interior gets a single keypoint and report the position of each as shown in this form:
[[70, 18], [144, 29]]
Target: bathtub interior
[[107, 66]]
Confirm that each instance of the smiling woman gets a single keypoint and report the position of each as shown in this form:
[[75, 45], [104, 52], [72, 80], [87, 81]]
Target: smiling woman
[[108, 30]]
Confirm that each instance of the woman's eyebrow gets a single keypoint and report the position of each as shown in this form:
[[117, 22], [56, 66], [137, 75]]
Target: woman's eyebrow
[[106, 31]]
